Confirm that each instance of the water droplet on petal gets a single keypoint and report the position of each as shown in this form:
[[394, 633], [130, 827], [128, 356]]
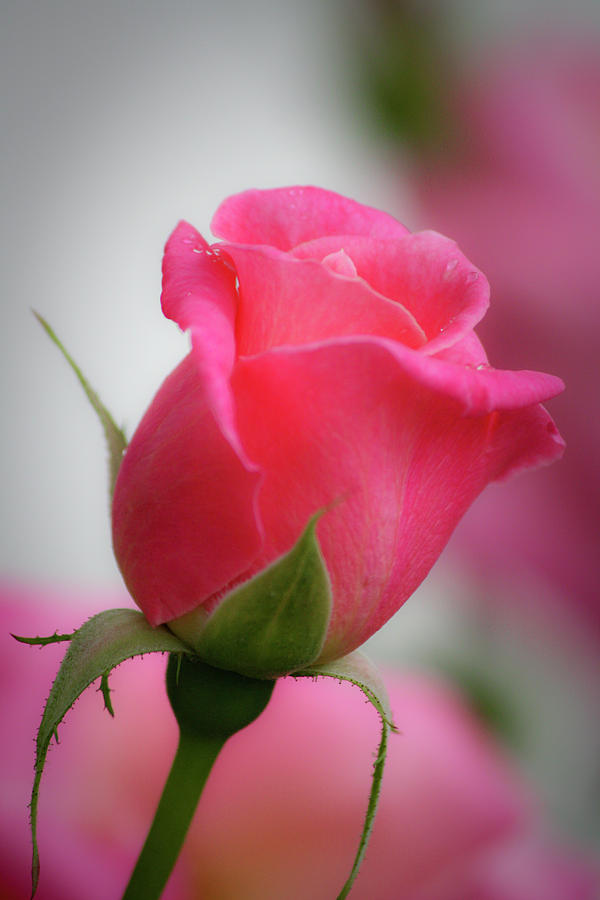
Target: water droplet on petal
[[450, 267]]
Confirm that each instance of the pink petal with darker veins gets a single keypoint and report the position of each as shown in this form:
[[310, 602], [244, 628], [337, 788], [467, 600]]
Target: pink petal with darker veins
[[363, 431]]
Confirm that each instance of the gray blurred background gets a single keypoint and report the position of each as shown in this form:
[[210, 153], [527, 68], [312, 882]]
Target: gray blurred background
[[120, 119]]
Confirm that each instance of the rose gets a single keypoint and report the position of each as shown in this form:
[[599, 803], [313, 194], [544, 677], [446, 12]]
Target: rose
[[455, 818], [333, 369]]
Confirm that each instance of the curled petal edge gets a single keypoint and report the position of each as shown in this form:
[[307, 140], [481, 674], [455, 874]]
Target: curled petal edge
[[478, 389]]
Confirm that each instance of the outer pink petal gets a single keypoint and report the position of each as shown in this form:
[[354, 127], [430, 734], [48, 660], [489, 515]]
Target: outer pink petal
[[462, 372], [290, 301], [284, 217], [425, 272], [355, 427], [197, 283], [184, 511], [199, 294]]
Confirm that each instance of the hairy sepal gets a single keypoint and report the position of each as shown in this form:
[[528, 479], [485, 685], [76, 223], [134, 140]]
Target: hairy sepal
[[357, 669], [102, 643]]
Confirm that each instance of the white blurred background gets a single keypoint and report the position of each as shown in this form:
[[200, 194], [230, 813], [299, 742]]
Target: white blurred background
[[122, 119]]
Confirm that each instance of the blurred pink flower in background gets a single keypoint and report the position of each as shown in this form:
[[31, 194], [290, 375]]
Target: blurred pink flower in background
[[521, 195], [284, 805]]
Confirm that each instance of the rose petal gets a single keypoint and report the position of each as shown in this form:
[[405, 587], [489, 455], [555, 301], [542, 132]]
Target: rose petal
[[196, 282], [504, 390], [184, 510], [387, 452], [199, 294], [424, 272], [461, 371], [284, 217], [340, 262], [290, 301]]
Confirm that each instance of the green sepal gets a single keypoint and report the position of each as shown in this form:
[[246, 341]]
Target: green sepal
[[55, 638], [115, 437], [360, 671], [103, 642], [272, 624]]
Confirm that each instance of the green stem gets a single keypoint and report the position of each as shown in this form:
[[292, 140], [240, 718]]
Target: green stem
[[193, 761], [210, 706]]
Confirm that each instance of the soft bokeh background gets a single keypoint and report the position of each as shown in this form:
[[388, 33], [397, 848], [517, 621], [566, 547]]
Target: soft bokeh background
[[122, 118]]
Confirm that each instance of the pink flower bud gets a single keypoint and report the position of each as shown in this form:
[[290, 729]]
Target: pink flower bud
[[334, 369]]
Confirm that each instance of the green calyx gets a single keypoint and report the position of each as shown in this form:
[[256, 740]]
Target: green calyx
[[215, 703], [271, 625], [210, 706], [103, 642]]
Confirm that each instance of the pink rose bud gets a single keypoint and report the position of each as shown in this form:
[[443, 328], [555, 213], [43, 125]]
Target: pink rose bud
[[334, 372]]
